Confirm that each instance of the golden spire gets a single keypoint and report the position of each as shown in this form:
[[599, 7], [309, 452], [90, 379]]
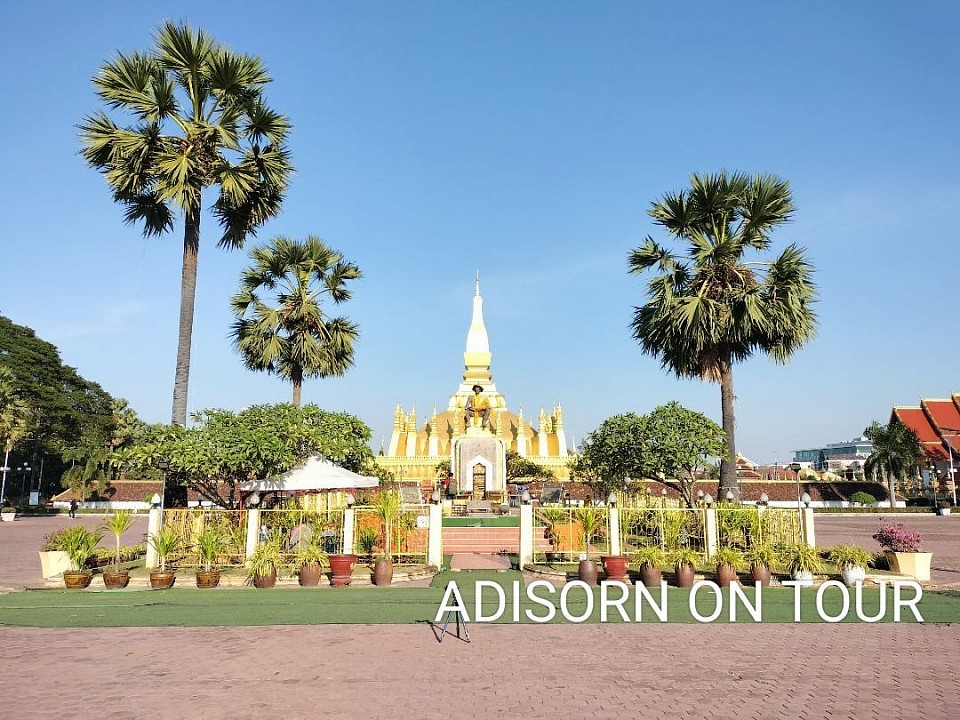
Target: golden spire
[[476, 357]]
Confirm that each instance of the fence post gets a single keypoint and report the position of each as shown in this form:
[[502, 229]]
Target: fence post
[[253, 532], [710, 538], [154, 523], [809, 536], [614, 544], [348, 521], [526, 535], [435, 536]]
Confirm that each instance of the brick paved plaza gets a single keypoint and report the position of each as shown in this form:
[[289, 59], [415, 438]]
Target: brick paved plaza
[[559, 671]]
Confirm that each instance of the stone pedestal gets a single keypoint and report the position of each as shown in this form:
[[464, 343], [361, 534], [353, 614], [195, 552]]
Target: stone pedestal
[[480, 454]]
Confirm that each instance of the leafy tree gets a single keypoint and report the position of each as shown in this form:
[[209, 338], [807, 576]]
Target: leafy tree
[[227, 448], [897, 453], [709, 308], [67, 410], [519, 468], [199, 120], [682, 443], [613, 454], [670, 445], [16, 416], [89, 470], [280, 325]]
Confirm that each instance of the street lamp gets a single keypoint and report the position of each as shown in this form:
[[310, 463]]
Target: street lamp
[[796, 470], [24, 470]]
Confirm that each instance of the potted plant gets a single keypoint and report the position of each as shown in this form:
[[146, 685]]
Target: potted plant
[[387, 508], [264, 564], [760, 557], [210, 545], [590, 520], [902, 548], [554, 520], [803, 561], [118, 524], [308, 562], [685, 560], [79, 544], [8, 513], [164, 542], [53, 560], [852, 562], [649, 559], [728, 560]]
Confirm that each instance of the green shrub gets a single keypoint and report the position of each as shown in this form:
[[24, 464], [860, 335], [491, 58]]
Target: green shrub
[[863, 498]]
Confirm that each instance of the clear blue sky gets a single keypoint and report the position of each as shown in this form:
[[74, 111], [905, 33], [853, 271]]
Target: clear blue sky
[[524, 141]]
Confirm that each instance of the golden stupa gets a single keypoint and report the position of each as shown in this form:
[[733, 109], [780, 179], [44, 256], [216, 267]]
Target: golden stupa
[[416, 454]]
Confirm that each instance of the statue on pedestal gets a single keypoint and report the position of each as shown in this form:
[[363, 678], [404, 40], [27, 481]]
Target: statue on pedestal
[[478, 408]]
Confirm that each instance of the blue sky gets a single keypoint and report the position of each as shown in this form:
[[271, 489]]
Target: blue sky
[[524, 141]]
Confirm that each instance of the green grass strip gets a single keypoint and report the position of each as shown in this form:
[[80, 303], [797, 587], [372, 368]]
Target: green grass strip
[[396, 605], [505, 521]]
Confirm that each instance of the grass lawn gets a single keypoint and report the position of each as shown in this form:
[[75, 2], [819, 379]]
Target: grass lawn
[[503, 521], [189, 607]]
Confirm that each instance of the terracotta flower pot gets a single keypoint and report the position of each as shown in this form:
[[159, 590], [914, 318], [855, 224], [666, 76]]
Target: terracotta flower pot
[[615, 566], [383, 572], [684, 575], [760, 574], [650, 576], [341, 569], [265, 581], [208, 578], [162, 579], [116, 580], [587, 572], [309, 574], [726, 574], [77, 580]]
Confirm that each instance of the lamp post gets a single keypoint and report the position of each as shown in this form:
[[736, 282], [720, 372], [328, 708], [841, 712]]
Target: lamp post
[[24, 470], [796, 470]]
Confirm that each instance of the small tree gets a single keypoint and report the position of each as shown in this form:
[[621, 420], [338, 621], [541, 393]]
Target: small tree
[[519, 467], [387, 507]]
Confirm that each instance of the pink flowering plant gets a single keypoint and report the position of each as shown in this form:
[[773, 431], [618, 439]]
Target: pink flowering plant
[[897, 538]]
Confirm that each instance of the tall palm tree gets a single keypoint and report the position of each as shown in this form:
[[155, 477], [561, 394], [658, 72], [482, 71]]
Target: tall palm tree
[[198, 120], [281, 327], [897, 452], [709, 308]]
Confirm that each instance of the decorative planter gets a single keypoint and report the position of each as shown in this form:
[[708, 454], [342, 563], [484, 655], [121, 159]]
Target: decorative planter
[[309, 574], [77, 580], [760, 575], [944, 511], [587, 572], [341, 569], [265, 581], [116, 580], [726, 574], [162, 579], [854, 575], [383, 572], [804, 577], [684, 575], [615, 566], [916, 564], [208, 578], [7, 516], [650, 576], [53, 563]]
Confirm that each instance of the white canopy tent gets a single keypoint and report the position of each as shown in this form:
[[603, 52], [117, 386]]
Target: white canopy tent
[[315, 474]]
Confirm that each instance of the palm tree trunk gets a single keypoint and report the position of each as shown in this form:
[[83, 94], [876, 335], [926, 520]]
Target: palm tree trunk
[[892, 490], [297, 377], [188, 293], [728, 467]]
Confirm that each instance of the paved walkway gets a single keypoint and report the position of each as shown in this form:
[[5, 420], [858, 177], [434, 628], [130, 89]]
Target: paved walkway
[[553, 671]]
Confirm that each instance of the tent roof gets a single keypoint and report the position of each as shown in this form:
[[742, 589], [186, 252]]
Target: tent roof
[[315, 474]]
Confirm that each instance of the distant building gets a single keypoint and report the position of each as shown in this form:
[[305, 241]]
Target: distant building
[[836, 457]]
